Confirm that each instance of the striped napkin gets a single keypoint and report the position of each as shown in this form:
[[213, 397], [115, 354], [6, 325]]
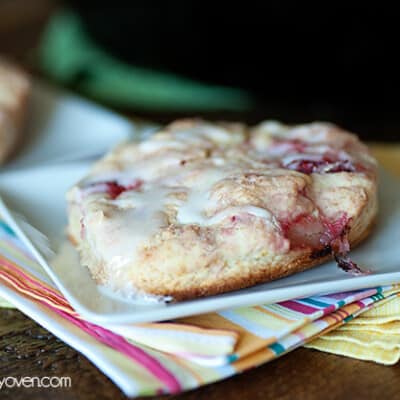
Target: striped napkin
[[169, 357]]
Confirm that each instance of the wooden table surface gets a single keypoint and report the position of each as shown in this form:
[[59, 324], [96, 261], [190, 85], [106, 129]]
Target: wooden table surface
[[26, 349]]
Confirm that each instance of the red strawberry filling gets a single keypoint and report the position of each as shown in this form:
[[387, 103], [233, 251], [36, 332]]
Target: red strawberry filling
[[310, 231], [335, 233], [346, 264], [324, 236], [304, 231], [113, 188], [326, 165], [328, 162]]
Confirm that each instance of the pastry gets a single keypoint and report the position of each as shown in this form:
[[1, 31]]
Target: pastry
[[14, 91], [204, 208]]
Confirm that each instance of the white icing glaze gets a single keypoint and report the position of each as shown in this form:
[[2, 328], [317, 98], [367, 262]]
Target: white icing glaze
[[232, 211], [117, 228], [134, 217], [192, 210], [146, 170], [128, 222]]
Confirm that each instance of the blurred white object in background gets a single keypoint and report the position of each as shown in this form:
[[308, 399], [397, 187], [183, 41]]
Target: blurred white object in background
[[62, 127]]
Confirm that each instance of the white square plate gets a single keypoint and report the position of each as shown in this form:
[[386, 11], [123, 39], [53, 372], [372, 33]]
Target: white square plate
[[38, 194]]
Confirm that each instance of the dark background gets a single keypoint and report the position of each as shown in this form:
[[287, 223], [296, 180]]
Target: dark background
[[325, 61], [26, 348]]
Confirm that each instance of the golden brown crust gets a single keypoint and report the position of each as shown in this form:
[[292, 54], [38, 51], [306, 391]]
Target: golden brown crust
[[267, 274], [261, 274]]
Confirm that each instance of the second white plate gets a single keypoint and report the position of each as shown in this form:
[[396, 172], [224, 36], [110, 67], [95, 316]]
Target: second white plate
[[63, 127]]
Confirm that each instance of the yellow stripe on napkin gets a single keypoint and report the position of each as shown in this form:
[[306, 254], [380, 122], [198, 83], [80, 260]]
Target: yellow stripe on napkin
[[353, 350], [365, 338], [374, 336], [389, 327]]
